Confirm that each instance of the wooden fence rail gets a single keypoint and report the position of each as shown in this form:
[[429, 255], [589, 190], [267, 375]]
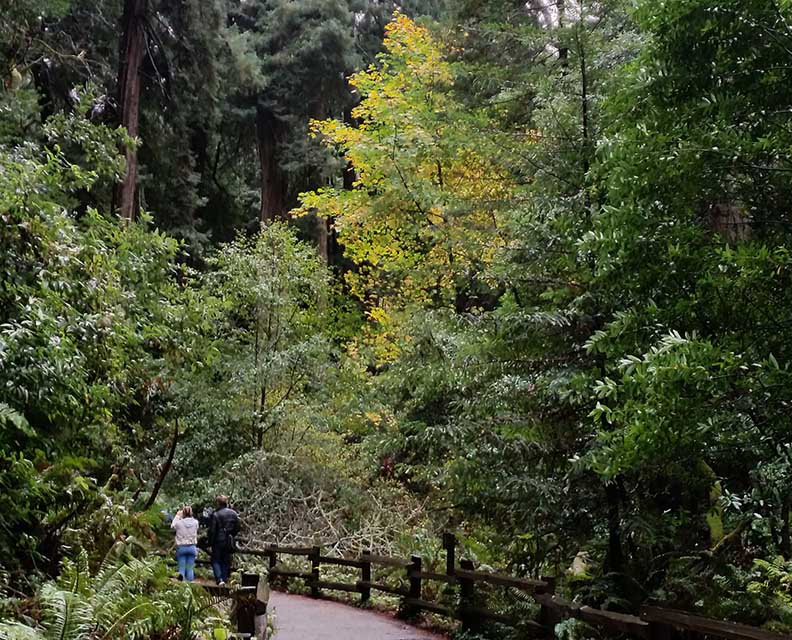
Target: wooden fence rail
[[653, 623]]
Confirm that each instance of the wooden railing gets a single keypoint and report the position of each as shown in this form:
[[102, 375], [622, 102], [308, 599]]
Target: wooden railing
[[653, 623], [247, 601], [248, 611]]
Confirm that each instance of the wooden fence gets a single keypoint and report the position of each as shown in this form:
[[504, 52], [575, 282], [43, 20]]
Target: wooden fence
[[653, 623], [248, 600]]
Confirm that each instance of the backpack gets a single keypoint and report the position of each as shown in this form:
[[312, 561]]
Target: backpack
[[223, 537]]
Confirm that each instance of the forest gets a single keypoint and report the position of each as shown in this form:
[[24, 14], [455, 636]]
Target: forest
[[378, 270]]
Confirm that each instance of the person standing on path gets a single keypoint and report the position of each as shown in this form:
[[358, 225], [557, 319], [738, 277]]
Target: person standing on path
[[223, 528], [186, 540]]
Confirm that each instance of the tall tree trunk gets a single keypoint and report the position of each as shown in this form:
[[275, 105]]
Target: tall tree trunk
[[786, 538], [585, 120], [324, 225], [131, 59], [323, 238], [273, 183], [614, 558], [199, 145], [333, 250]]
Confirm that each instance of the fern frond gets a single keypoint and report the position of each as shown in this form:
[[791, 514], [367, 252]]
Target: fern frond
[[19, 631], [121, 592], [75, 574], [125, 600], [68, 616], [108, 570], [138, 621]]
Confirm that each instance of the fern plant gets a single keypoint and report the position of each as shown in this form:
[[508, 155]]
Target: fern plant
[[126, 598], [772, 586]]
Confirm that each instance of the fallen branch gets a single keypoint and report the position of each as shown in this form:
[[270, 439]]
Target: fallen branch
[[165, 469]]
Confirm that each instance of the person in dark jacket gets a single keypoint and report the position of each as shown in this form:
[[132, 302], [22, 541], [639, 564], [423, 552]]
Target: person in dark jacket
[[223, 528]]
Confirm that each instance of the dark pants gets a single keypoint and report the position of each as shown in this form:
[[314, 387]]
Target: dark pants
[[221, 563]]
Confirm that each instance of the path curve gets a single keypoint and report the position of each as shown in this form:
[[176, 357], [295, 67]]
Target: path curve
[[303, 618]]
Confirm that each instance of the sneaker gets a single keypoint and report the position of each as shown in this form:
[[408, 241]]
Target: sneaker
[[221, 584]]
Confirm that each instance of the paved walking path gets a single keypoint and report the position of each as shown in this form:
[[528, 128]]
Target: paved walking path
[[302, 618]]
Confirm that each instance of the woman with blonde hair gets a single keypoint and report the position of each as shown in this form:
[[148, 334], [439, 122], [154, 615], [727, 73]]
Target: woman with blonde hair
[[186, 542]]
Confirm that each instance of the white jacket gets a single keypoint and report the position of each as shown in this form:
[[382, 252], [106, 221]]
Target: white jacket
[[186, 531]]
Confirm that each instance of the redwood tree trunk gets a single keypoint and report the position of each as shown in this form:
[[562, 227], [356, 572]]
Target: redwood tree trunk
[[131, 59], [323, 238], [273, 184]]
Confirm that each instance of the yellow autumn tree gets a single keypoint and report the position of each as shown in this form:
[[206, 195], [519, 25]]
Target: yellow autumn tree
[[421, 220]]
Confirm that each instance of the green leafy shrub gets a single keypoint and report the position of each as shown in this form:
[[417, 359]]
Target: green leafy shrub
[[771, 587], [125, 598]]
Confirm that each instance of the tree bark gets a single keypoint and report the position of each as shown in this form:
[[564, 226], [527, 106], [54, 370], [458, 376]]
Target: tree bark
[[166, 467], [323, 234], [786, 538], [132, 49], [333, 250], [614, 559], [273, 183]]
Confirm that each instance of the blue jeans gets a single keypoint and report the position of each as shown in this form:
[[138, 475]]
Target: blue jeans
[[221, 564], [185, 556]]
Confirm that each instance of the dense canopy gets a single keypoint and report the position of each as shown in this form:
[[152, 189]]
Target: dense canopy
[[380, 270]]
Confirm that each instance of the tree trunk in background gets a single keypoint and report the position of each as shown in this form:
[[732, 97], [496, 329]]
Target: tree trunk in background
[[273, 183], [349, 176], [166, 467], [131, 59], [786, 537], [199, 145], [324, 225], [614, 558], [328, 240], [323, 238]]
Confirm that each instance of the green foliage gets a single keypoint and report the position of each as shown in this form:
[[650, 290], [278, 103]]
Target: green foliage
[[124, 598], [573, 629], [88, 327], [262, 306], [561, 320], [627, 376], [418, 222], [773, 588]]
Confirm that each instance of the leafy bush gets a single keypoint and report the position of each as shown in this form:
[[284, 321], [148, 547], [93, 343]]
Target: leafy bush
[[771, 588], [125, 598], [93, 322]]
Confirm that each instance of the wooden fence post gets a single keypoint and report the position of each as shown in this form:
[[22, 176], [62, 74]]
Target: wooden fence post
[[549, 617], [466, 586], [249, 608], [413, 574], [315, 552], [365, 576], [449, 544], [658, 630]]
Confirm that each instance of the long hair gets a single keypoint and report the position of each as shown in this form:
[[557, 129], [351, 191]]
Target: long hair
[[187, 512]]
